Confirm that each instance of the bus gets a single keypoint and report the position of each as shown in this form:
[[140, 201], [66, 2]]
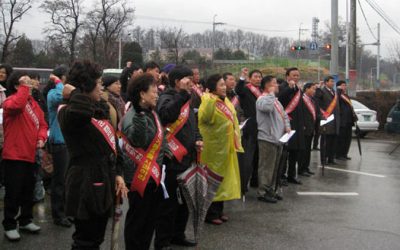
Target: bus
[[42, 72]]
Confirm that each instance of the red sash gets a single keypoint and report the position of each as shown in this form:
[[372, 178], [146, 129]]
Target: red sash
[[107, 130], [346, 99], [174, 144], [293, 103], [197, 90], [254, 90], [221, 106], [330, 108], [235, 101], [310, 106], [32, 115], [146, 161]]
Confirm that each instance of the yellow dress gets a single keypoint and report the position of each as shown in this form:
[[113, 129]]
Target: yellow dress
[[221, 136]]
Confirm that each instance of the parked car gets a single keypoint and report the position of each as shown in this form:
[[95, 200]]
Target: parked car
[[393, 119], [112, 72], [366, 118]]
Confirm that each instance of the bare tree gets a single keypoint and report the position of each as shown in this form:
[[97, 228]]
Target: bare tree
[[11, 12], [65, 22], [172, 39], [93, 25], [395, 54], [115, 16]]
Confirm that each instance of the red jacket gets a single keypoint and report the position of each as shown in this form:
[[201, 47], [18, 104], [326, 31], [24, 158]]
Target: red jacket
[[24, 126]]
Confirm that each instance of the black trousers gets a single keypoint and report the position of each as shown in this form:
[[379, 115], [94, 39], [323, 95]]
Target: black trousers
[[344, 141], [141, 217], [248, 161], [19, 183], [89, 234], [215, 211], [60, 163], [328, 148], [172, 216], [316, 135], [295, 157], [305, 164]]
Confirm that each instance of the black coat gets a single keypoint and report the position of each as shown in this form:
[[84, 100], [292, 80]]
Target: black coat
[[169, 107], [347, 115], [91, 159], [325, 98], [286, 94], [248, 105], [309, 122]]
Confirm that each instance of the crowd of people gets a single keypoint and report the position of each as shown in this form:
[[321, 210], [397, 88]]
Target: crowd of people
[[131, 137]]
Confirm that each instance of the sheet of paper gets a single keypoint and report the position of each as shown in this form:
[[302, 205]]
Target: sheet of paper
[[330, 118], [286, 137], [1, 116], [242, 124]]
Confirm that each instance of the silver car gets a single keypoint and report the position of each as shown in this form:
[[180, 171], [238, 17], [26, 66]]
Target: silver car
[[366, 118]]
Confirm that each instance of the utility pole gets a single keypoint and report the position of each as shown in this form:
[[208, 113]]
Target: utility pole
[[299, 42], [213, 38], [353, 48], [334, 68], [378, 57]]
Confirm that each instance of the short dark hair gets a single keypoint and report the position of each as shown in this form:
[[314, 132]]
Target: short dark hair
[[178, 73], [13, 80], [280, 81], [253, 72], [266, 80], [137, 85], [308, 85], [8, 69], [326, 79], [340, 82], [226, 74], [212, 81], [83, 75], [34, 75], [290, 70], [150, 65], [60, 71]]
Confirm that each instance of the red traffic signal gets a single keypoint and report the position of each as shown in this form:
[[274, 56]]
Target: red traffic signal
[[328, 46], [297, 47]]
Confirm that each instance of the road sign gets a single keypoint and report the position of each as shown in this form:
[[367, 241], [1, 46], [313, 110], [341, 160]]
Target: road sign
[[313, 46]]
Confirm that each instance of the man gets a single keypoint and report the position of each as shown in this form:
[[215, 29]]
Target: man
[[290, 96], [347, 119], [329, 104], [154, 69], [59, 152], [197, 89], [248, 90], [272, 123], [183, 139], [230, 82], [311, 116]]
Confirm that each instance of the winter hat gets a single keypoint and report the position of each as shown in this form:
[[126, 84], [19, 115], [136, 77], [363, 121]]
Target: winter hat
[[167, 68], [108, 80]]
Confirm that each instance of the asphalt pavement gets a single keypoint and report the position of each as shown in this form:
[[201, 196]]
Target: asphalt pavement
[[355, 205]]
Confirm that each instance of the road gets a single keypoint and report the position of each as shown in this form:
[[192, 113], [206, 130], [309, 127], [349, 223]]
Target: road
[[361, 211]]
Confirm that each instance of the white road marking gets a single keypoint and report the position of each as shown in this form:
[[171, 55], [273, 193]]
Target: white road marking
[[355, 172], [329, 193]]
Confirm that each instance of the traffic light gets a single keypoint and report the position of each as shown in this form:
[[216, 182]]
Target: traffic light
[[328, 46], [297, 48]]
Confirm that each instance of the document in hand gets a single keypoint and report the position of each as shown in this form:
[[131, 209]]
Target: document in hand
[[286, 137], [328, 120], [242, 124]]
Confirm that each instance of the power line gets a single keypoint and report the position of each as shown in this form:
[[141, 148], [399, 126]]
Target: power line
[[365, 18], [385, 17], [210, 23]]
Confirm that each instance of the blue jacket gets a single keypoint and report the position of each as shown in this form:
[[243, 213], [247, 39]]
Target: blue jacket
[[54, 99]]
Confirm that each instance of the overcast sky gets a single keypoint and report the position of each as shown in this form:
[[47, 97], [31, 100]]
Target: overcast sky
[[286, 15]]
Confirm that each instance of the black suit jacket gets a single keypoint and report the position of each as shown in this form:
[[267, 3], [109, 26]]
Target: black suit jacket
[[325, 98]]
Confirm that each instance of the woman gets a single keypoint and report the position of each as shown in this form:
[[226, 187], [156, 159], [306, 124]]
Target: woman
[[21, 113], [112, 94], [219, 127], [143, 135], [92, 179]]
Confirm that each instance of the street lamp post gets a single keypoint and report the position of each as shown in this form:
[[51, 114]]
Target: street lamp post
[[372, 77], [119, 52], [213, 38]]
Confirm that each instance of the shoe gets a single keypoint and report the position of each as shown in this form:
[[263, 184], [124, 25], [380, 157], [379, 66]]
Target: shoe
[[267, 198], [341, 158], [305, 174], [284, 182], [64, 222], [278, 197], [310, 172], [31, 227], [347, 158], [216, 222], [183, 242], [294, 181], [332, 163], [12, 235], [224, 218]]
